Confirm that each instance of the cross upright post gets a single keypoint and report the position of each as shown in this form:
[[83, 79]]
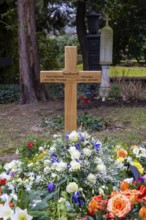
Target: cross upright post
[[70, 76]]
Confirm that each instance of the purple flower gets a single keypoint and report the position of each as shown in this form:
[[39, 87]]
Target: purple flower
[[77, 199], [13, 174], [54, 159], [97, 145], [67, 136], [81, 137], [53, 154], [51, 187], [77, 146]]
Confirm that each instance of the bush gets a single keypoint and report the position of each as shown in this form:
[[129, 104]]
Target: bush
[[9, 93]]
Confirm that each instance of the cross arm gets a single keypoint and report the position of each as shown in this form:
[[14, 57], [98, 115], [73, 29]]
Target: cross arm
[[52, 76], [89, 77]]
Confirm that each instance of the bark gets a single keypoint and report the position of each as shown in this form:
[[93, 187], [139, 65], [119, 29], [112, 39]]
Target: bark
[[29, 69], [81, 30]]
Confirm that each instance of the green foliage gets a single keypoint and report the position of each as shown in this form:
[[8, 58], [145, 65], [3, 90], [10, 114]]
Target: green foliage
[[54, 124], [8, 41], [128, 23], [48, 52], [115, 91], [9, 93], [29, 148], [62, 41], [85, 121], [91, 123]]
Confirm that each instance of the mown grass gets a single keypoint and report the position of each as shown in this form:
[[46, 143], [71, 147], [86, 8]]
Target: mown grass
[[118, 71]]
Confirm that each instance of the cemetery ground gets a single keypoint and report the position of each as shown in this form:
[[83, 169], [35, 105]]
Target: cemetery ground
[[20, 123]]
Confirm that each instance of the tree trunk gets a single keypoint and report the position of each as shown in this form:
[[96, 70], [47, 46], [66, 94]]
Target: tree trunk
[[81, 30], [29, 69]]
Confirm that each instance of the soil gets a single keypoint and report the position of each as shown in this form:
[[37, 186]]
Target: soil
[[20, 122]]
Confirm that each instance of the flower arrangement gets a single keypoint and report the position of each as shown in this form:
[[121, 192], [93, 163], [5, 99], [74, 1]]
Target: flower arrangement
[[57, 180]]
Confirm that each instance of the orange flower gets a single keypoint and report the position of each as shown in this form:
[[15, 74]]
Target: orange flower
[[131, 194], [122, 153], [142, 212], [97, 203], [92, 207], [119, 205], [114, 193], [124, 185], [11, 204]]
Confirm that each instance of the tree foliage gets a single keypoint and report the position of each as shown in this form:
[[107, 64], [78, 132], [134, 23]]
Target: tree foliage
[[128, 22]]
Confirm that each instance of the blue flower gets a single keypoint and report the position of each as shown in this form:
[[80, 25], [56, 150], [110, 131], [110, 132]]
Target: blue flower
[[54, 159], [77, 199], [77, 146], [97, 145], [81, 137], [51, 187], [67, 136]]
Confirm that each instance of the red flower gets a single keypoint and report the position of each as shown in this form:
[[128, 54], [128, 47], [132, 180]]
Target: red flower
[[3, 181], [86, 100], [30, 144], [142, 189]]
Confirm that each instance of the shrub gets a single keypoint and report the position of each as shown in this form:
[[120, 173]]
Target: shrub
[[9, 93]]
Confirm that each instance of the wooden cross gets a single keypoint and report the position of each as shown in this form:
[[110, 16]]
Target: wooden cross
[[70, 76]]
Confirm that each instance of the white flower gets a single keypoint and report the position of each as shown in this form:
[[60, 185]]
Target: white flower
[[87, 152], [71, 149], [30, 165], [46, 162], [75, 166], [117, 147], [72, 187], [5, 197], [38, 179], [52, 149], [61, 166], [98, 160], [73, 136], [13, 165], [129, 180], [86, 135], [4, 175], [75, 154], [61, 200], [20, 214], [46, 170], [101, 190], [101, 168], [41, 149], [136, 151], [5, 211], [129, 159], [91, 178], [53, 175]]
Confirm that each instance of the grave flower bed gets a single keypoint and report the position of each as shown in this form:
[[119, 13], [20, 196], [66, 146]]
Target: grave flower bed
[[74, 177]]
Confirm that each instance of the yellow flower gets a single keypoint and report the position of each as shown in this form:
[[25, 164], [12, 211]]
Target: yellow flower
[[139, 167], [121, 159], [39, 157], [134, 146]]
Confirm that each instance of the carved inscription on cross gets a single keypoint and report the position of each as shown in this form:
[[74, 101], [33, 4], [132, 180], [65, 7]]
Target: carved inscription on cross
[[70, 76]]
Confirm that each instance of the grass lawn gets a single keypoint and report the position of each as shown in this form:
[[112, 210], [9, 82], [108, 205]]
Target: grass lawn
[[124, 71], [20, 123]]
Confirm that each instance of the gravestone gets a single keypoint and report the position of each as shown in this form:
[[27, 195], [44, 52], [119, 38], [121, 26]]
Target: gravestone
[[70, 76]]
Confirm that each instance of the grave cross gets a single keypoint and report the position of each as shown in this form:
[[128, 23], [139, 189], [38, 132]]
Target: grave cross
[[70, 76]]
